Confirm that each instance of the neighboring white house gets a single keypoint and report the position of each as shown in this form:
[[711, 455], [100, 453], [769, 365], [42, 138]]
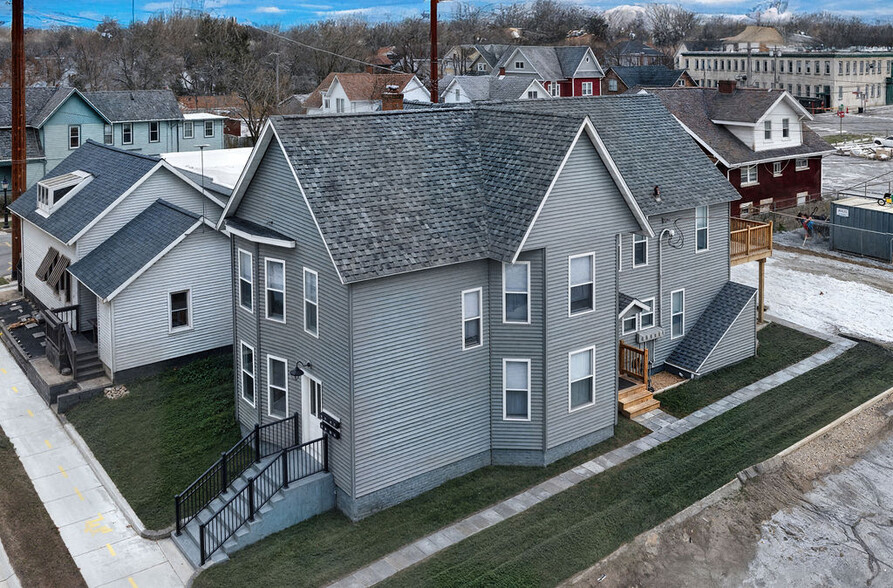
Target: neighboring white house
[[342, 93], [479, 88]]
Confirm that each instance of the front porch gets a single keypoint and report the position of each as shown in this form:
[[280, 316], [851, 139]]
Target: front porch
[[634, 395]]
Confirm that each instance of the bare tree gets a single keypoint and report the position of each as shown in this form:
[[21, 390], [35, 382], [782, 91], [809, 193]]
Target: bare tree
[[669, 25]]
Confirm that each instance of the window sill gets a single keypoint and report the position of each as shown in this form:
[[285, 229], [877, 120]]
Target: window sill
[[516, 419], [312, 334], [580, 312], [246, 309], [273, 319], [176, 330], [749, 184], [581, 407], [249, 402], [470, 347]]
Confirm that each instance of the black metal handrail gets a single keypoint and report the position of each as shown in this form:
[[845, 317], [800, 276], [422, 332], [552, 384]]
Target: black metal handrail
[[262, 441], [290, 465], [58, 331]]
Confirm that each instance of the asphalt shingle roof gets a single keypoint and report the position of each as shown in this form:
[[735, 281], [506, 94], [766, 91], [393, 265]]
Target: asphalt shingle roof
[[255, 229], [479, 88], [114, 171], [700, 341], [33, 147], [408, 190], [550, 63], [136, 105], [647, 75], [35, 100], [635, 47]]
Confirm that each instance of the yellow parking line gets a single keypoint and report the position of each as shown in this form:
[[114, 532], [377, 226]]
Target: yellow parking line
[[3, 370], [112, 551], [132, 583], [81, 496], [64, 473], [49, 445], [14, 389], [30, 414]]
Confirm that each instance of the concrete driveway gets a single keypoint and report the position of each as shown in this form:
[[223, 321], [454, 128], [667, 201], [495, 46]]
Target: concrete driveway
[[878, 121]]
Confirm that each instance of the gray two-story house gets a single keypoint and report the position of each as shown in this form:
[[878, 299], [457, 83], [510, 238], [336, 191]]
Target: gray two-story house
[[457, 286]]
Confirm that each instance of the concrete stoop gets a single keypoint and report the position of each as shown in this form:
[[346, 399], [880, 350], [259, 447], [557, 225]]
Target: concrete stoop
[[302, 500]]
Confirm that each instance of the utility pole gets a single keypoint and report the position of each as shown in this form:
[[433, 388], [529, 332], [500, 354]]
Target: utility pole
[[435, 70], [19, 164]]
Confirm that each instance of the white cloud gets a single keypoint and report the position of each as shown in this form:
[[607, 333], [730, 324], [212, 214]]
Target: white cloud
[[316, 6], [269, 10], [153, 6], [348, 12]]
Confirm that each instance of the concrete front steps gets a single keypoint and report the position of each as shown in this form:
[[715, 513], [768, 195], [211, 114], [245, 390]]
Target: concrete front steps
[[636, 400]]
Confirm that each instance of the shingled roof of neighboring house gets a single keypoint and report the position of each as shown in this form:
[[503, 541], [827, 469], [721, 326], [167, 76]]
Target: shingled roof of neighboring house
[[359, 86], [713, 324], [409, 190], [647, 75], [491, 53], [36, 99], [550, 63], [479, 88], [136, 105], [114, 171], [635, 47], [697, 108], [133, 248], [33, 147]]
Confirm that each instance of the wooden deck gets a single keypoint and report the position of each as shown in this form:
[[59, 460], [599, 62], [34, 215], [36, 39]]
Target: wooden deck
[[749, 240]]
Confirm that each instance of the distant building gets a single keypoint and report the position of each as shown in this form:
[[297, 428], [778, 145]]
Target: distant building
[[632, 53], [460, 89], [619, 79], [344, 93]]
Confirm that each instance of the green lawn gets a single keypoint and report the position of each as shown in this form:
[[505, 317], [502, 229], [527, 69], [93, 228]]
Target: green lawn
[[158, 439], [565, 534], [329, 546], [779, 348]]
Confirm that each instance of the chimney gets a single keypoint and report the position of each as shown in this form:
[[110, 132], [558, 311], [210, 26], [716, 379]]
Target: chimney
[[727, 86], [391, 99], [501, 71]]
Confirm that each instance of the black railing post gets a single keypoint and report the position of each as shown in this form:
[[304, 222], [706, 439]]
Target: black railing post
[[256, 443], [201, 543], [251, 499], [285, 468], [295, 427], [177, 511], [325, 451], [224, 482]]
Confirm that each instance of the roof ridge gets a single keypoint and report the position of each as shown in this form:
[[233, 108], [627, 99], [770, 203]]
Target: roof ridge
[[180, 209]]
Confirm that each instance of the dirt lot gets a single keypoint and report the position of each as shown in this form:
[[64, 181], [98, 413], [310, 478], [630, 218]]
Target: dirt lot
[[824, 518]]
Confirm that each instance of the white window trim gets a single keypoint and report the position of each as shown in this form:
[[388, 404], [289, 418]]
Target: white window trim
[[508, 322], [206, 128], [267, 288], [583, 86], [797, 166], [305, 299], [239, 271], [109, 135], [647, 252], [570, 382], [242, 372], [682, 334], [783, 129], [170, 310], [154, 122], [191, 126], [706, 228], [623, 329], [746, 183], [777, 165], [270, 359], [505, 361], [649, 302], [130, 126], [80, 142], [570, 284], [480, 317], [767, 130]]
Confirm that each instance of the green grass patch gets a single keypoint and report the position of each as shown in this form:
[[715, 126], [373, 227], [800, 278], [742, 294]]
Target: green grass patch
[[779, 347], [574, 530], [846, 137], [159, 438], [329, 546]]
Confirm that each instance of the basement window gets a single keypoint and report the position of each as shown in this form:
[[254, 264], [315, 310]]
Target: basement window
[[56, 191]]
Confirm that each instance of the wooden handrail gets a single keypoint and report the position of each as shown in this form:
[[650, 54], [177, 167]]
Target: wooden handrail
[[634, 362], [749, 238]]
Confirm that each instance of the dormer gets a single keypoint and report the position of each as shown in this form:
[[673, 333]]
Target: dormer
[[56, 191]]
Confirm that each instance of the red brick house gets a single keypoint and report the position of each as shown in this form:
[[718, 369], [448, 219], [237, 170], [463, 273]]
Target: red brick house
[[757, 139], [563, 71]]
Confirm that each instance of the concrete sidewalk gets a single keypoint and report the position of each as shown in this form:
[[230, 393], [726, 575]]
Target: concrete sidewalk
[[108, 551], [8, 578], [452, 534]]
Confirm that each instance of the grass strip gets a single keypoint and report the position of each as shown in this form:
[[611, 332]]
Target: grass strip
[[779, 347], [329, 546], [29, 536], [156, 440], [574, 530]]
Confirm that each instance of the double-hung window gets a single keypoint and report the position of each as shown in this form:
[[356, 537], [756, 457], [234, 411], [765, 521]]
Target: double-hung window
[[209, 128], [581, 283], [154, 131], [785, 128], [275, 286], [74, 136], [277, 387], [767, 130], [179, 303], [532, 95], [555, 89], [702, 222], [801, 164], [630, 324], [246, 281], [646, 317], [612, 85], [640, 250], [127, 133], [519, 65], [516, 389], [339, 105], [311, 302], [516, 292], [247, 369], [677, 314], [586, 88], [188, 129], [749, 175], [581, 383], [107, 135], [777, 168], [472, 335]]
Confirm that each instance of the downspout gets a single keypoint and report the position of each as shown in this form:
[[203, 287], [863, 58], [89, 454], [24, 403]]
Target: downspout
[[236, 349], [617, 325], [255, 300]]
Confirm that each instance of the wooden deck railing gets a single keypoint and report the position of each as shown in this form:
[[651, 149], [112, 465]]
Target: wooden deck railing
[[634, 363], [749, 240]]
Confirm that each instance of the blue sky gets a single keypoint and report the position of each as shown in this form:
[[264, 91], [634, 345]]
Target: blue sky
[[43, 13]]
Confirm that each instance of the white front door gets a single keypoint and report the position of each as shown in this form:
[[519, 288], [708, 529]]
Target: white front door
[[311, 405]]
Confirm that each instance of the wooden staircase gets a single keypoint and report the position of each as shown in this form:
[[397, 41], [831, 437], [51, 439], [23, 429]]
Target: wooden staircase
[[636, 400], [634, 397]]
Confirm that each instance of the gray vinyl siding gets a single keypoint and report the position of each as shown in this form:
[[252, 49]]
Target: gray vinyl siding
[[701, 275], [35, 244], [737, 344], [86, 306], [517, 341], [54, 132], [199, 263], [273, 199], [420, 399], [168, 134], [583, 214]]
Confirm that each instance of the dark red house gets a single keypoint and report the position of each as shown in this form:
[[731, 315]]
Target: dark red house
[[757, 138], [563, 71]]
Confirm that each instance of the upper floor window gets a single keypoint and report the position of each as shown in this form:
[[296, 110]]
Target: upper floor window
[[612, 85], [555, 89], [472, 318], [646, 317], [179, 303], [516, 389], [677, 314], [246, 280], [458, 94], [326, 104], [581, 380], [800, 66], [277, 386], [74, 136], [154, 131], [339, 105], [581, 283], [532, 95], [801, 164], [749, 175], [482, 67], [209, 128], [246, 365], [587, 88], [188, 129], [767, 130], [519, 65], [827, 68], [640, 250], [785, 128], [516, 292], [702, 221], [311, 302], [275, 285], [127, 133], [107, 136]]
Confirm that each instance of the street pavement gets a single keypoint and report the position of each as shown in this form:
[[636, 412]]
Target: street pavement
[[8, 577], [5, 254], [103, 545], [878, 122]]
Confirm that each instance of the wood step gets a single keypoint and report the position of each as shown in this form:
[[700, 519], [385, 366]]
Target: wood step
[[640, 407], [637, 395]]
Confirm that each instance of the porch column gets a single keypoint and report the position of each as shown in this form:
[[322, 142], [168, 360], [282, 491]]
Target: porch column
[[762, 288]]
